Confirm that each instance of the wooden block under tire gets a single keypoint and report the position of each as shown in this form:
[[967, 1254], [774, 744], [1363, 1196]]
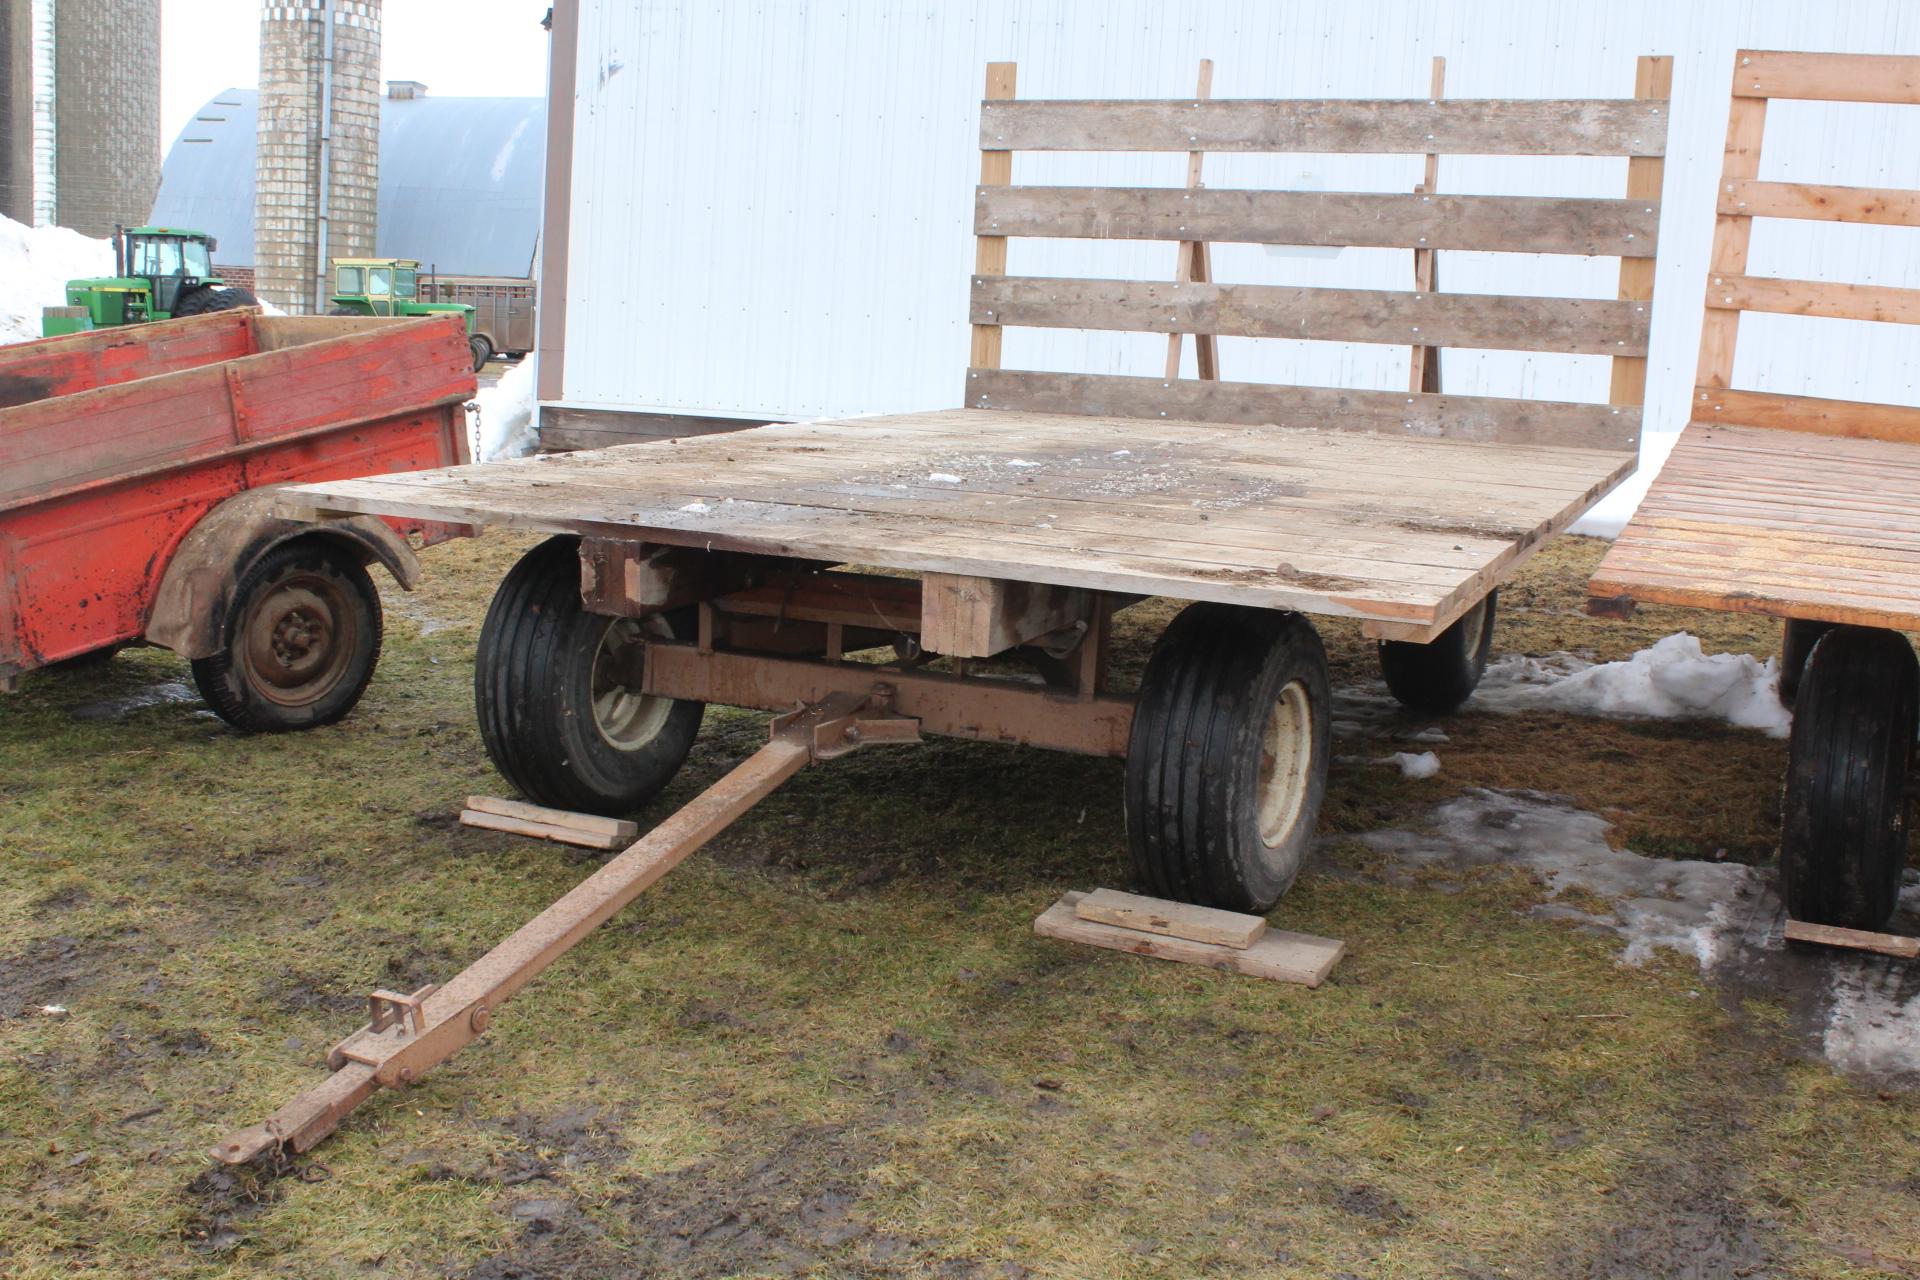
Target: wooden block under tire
[[1175, 919], [1276, 954]]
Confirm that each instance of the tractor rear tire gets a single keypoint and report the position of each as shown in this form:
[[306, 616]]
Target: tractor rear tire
[[303, 636], [1227, 762], [1843, 830], [552, 685], [482, 351], [1436, 678], [206, 299]]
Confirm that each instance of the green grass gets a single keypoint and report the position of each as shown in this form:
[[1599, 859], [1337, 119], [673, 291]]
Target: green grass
[[832, 1045]]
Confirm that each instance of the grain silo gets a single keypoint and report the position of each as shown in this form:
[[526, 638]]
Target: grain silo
[[318, 158]]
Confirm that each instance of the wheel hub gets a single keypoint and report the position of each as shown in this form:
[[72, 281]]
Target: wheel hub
[[293, 647], [1286, 764], [625, 716]]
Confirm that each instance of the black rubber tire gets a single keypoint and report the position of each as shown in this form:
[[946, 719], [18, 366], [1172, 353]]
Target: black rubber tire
[[482, 351], [1797, 638], [343, 311], [533, 692], [1843, 832], [207, 298], [238, 686], [1196, 754], [1436, 678]]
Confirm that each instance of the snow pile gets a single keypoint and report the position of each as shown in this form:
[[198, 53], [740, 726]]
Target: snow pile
[[35, 265], [1658, 903], [500, 418], [1671, 680], [1610, 515], [1414, 764]]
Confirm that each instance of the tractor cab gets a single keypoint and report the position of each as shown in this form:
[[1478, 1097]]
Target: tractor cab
[[158, 273], [391, 287]]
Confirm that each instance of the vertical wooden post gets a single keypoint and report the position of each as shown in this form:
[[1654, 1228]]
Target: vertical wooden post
[[1424, 375], [990, 252], [1652, 79], [1720, 331], [1192, 263]]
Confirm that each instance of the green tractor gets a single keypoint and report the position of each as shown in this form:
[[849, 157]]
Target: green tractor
[[391, 287], [158, 273]]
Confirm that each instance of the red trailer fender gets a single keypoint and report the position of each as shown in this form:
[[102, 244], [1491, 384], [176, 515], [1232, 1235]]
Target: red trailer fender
[[196, 594]]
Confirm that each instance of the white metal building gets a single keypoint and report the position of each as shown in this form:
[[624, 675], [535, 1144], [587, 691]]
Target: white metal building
[[762, 209]]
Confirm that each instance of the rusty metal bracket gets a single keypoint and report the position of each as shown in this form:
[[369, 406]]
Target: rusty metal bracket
[[406, 1036]]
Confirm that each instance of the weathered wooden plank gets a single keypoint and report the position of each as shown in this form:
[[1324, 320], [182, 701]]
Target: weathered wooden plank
[[1813, 298], [1276, 954], [537, 830], [1509, 224], [1826, 935], [1480, 418], [1177, 919], [1586, 326], [616, 829], [1720, 330], [990, 251], [1627, 378], [971, 617], [1458, 126], [1748, 197], [1831, 77], [1815, 414]]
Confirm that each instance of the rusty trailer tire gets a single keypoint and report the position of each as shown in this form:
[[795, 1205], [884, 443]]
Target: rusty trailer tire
[[1843, 831], [1227, 761], [303, 636], [555, 690], [1436, 678]]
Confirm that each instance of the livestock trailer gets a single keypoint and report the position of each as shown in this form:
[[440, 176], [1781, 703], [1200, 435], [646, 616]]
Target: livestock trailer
[[137, 470]]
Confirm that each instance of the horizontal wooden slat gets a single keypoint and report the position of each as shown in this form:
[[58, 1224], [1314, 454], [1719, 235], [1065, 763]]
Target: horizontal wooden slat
[[1857, 418], [1813, 298], [1396, 413], [1831, 77], [1518, 224], [1589, 326], [1458, 126], [1752, 198]]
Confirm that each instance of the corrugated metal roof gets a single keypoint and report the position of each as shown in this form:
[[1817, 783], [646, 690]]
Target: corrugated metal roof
[[459, 180]]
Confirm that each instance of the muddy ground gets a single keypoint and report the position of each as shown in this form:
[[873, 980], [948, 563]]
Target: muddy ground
[[1566, 1039]]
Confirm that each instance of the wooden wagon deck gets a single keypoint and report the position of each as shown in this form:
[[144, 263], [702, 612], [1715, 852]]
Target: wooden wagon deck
[[1403, 532]]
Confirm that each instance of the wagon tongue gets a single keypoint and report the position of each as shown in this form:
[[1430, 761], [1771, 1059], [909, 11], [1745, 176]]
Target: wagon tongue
[[407, 1035]]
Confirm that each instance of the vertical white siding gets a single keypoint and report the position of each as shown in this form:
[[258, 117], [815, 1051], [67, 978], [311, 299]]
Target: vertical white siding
[[772, 203]]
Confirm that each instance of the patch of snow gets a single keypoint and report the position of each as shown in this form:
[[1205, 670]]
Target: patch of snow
[[53, 1010], [500, 418], [942, 477], [1422, 764], [698, 508], [1431, 734], [35, 265], [1673, 679], [1021, 462], [1680, 905], [1118, 453], [1869, 1032]]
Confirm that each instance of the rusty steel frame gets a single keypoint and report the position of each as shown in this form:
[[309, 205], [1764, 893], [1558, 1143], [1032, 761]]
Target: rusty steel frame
[[407, 1035]]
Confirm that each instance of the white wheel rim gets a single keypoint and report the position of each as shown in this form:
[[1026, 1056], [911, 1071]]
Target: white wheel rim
[[1286, 764], [625, 717]]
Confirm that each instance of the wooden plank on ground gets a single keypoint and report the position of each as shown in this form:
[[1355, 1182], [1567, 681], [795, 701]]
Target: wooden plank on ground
[[1583, 326], [1747, 197], [1494, 224], [1461, 126], [1487, 419], [1826, 935], [1277, 954], [1829, 77], [538, 830], [1176, 919], [615, 828]]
